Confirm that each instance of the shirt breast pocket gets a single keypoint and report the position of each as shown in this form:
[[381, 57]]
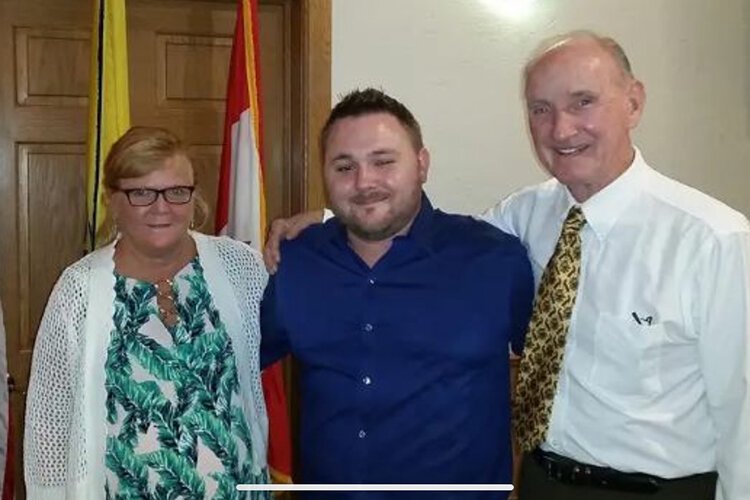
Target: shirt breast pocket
[[628, 355]]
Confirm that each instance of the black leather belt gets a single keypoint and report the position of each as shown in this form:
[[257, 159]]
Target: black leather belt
[[568, 471]]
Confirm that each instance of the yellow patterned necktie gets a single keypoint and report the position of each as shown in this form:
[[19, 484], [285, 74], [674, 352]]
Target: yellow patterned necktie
[[545, 338]]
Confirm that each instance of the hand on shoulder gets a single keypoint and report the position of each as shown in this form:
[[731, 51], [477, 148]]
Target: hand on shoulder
[[286, 229]]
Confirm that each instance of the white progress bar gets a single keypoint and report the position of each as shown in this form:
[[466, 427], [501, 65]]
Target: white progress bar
[[375, 487]]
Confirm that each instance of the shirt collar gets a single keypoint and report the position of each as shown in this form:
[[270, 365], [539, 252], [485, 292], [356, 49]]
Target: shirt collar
[[420, 231], [421, 228], [604, 208]]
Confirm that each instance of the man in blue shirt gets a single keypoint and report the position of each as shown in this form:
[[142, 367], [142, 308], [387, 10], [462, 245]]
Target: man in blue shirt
[[400, 317]]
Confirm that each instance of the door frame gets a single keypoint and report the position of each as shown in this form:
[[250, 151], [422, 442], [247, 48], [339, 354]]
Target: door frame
[[313, 74]]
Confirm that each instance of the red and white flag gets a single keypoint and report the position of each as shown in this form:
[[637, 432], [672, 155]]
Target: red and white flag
[[241, 203]]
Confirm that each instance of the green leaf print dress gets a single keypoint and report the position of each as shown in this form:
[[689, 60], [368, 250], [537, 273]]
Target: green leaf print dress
[[175, 428]]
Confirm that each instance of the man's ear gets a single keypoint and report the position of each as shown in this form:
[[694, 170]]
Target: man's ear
[[636, 102], [423, 160]]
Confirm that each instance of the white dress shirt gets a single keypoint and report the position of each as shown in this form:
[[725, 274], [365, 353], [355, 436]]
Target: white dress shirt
[[657, 360]]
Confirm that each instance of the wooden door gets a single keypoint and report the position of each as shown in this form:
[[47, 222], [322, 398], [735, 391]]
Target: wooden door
[[178, 61]]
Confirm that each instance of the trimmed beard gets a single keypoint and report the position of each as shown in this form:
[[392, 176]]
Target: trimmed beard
[[390, 228]]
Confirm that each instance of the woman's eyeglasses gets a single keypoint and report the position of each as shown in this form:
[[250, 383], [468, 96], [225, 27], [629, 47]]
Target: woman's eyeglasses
[[143, 197]]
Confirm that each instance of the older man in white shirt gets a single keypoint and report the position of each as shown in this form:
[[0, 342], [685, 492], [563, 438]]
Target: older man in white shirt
[[652, 396]]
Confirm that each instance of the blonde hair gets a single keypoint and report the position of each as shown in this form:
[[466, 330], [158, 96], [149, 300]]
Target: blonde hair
[[138, 152]]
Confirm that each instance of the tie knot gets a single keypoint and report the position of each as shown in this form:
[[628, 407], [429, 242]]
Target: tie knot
[[574, 221]]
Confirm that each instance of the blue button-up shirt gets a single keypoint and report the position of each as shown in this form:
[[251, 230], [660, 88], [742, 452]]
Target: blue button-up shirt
[[403, 366]]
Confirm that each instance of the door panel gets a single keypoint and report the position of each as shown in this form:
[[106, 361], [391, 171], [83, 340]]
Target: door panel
[[49, 182], [44, 50]]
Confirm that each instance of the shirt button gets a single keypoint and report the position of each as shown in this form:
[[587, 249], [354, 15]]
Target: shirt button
[[368, 327], [371, 281], [362, 434], [366, 380]]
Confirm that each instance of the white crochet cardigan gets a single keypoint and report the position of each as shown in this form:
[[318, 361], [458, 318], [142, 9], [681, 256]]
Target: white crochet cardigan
[[65, 433]]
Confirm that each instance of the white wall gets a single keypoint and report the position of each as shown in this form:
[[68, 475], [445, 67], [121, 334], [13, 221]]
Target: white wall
[[457, 63]]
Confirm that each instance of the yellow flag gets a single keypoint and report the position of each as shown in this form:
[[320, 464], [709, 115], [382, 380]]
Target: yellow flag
[[109, 102]]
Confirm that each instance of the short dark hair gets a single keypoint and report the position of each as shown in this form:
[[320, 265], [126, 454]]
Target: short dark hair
[[368, 101]]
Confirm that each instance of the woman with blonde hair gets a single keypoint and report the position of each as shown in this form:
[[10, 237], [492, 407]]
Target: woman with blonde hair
[[145, 380]]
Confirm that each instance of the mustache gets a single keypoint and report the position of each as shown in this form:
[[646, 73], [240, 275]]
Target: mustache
[[369, 197]]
